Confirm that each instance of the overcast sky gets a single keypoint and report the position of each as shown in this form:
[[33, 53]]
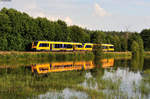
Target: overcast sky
[[107, 15]]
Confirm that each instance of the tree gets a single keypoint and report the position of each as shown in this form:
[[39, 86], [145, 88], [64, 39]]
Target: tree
[[135, 49], [78, 35], [18, 30], [97, 37], [137, 56], [145, 34], [45, 29], [136, 37], [4, 30], [64, 34]]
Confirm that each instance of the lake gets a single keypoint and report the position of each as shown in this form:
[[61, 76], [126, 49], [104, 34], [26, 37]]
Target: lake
[[122, 78]]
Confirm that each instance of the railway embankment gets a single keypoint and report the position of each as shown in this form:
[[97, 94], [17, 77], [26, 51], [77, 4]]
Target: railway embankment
[[52, 56], [15, 55]]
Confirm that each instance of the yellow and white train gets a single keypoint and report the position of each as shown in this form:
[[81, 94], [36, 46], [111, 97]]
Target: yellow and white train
[[68, 46]]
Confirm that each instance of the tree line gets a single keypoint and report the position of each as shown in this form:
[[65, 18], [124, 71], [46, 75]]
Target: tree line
[[18, 30]]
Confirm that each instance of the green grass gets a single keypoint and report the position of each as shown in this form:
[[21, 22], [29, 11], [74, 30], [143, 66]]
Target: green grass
[[26, 57], [117, 54], [61, 55]]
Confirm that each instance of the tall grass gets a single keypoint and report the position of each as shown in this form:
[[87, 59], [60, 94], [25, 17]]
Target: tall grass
[[50, 56], [117, 54]]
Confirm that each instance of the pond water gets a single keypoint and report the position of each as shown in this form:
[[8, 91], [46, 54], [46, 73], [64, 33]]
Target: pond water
[[101, 79]]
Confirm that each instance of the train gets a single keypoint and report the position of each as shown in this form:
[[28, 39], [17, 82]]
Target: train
[[68, 46]]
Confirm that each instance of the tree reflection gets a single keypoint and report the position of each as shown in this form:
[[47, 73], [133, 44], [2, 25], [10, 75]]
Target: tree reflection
[[137, 62]]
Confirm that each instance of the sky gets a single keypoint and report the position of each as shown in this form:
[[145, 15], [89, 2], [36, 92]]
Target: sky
[[106, 15]]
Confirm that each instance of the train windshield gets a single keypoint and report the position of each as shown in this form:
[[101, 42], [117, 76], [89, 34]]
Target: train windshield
[[35, 43]]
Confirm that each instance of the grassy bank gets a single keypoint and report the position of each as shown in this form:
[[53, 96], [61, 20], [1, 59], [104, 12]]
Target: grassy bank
[[147, 53], [50, 56], [59, 56], [117, 54], [122, 54], [10, 55]]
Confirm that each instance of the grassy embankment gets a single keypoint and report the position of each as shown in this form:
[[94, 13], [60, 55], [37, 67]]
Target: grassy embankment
[[147, 53], [60, 56], [15, 55], [117, 54], [122, 54]]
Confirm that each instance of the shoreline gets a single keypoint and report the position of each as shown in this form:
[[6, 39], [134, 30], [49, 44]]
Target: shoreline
[[24, 55]]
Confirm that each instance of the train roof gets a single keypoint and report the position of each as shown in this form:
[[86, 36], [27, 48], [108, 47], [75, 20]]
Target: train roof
[[57, 41], [72, 42]]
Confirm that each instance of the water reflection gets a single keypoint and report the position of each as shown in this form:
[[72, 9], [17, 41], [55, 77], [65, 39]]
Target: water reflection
[[69, 66], [107, 63], [62, 66], [67, 93], [115, 78], [128, 81]]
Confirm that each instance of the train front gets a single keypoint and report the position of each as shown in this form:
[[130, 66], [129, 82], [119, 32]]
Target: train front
[[34, 45]]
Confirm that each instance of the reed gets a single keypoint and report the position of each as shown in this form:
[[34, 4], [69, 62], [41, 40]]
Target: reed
[[117, 54]]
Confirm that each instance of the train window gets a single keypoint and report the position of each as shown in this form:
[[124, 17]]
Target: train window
[[79, 46], [67, 46], [57, 45], [35, 43], [88, 46], [44, 45], [111, 46]]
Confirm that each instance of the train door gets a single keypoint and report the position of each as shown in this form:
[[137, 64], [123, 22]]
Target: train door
[[74, 46], [50, 47]]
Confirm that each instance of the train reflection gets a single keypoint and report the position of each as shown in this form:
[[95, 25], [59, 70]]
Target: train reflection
[[107, 63], [69, 66]]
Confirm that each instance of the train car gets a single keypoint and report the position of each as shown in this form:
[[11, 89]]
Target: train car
[[84, 47], [53, 46], [88, 46]]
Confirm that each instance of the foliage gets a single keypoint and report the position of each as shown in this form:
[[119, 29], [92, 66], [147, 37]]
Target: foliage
[[18, 30], [136, 37], [135, 48], [145, 34], [137, 54], [77, 34]]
